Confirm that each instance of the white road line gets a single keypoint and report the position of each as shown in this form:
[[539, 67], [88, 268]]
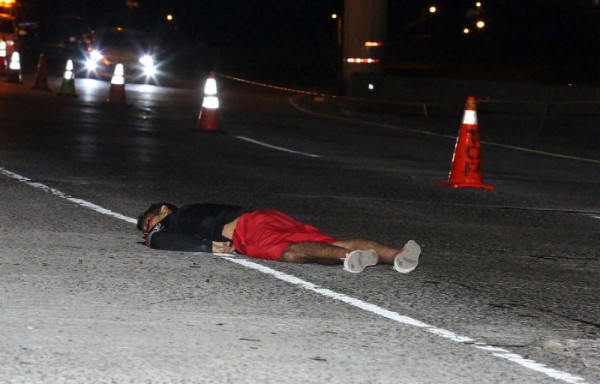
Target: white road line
[[394, 316], [267, 145], [429, 133], [62, 195]]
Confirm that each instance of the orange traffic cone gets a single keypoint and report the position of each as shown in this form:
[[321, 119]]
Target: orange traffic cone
[[67, 87], [117, 86], [14, 69], [41, 76], [3, 57], [208, 119], [466, 162]]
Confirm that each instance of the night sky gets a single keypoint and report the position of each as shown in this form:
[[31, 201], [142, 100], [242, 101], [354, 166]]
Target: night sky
[[259, 19], [566, 32]]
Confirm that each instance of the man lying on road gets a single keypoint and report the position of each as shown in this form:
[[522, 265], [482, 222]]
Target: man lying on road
[[263, 234]]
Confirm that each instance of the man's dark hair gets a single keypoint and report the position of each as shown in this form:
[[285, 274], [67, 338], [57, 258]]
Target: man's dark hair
[[153, 210]]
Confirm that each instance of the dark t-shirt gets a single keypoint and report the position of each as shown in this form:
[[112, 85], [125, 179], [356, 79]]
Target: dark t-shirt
[[193, 228]]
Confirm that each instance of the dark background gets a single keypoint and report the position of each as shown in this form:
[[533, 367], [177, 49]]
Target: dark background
[[549, 41]]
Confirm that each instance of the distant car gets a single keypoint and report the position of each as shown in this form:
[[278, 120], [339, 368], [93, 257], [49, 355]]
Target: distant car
[[113, 46], [9, 32]]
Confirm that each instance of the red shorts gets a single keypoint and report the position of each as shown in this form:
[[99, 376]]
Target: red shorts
[[265, 234]]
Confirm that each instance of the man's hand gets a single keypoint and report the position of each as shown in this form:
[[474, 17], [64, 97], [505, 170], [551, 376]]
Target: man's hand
[[222, 247]]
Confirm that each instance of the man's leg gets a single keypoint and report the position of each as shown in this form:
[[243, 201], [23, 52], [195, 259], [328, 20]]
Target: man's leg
[[355, 261], [404, 259], [314, 252], [386, 253]]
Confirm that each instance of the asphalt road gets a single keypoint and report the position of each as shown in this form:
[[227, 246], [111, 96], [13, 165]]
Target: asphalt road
[[506, 292]]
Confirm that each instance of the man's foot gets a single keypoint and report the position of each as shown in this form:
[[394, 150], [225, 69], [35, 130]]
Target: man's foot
[[408, 258], [357, 261]]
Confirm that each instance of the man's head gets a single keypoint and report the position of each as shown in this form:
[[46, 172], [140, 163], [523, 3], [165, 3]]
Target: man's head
[[153, 215]]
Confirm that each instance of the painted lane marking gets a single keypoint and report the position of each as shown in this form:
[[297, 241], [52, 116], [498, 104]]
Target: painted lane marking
[[374, 309], [65, 196], [429, 133], [267, 145], [406, 320]]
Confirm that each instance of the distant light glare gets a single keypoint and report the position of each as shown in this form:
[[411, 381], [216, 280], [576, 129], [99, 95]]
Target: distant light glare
[[480, 24], [466, 31], [95, 55], [150, 71], [169, 17], [432, 9], [478, 4], [7, 3], [147, 60], [90, 65], [334, 16], [360, 60]]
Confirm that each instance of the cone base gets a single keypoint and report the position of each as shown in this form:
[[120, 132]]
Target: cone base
[[67, 94], [116, 94], [465, 185], [67, 88], [208, 120], [14, 77]]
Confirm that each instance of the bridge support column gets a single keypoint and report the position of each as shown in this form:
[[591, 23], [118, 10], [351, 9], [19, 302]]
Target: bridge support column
[[364, 36]]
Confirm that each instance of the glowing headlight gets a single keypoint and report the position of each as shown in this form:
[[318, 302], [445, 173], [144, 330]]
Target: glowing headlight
[[96, 56], [147, 61], [90, 64], [150, 70]]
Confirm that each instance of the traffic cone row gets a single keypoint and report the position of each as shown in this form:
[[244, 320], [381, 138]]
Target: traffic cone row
[[465, 170], [67, 87], [208, 118]]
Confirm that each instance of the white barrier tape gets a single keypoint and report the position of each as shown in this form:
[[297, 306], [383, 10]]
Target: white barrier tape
[[397, 102]]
